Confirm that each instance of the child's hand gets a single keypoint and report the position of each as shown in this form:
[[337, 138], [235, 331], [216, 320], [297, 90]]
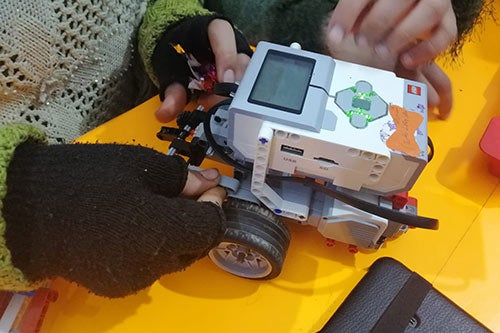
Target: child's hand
[[113, 218], [416, 31], [349, 48], [229, 64]]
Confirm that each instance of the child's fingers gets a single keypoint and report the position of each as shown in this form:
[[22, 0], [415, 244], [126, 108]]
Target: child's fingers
[[346, 13], [199, 182], [230, 64], [441, 84], [216, 195], [174, 102], [439, 88], [223, 43], [381, 18], [430, 48], [422, 23]]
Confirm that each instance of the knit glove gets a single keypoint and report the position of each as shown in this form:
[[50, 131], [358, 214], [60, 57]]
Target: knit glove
[[184, 55], [108, 217]]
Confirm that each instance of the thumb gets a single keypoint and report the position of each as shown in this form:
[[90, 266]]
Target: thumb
[[215, 195], [174, 102], [199, 182], [228, 75]]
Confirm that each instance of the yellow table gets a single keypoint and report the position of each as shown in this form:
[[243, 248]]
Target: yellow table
[[460, 259]]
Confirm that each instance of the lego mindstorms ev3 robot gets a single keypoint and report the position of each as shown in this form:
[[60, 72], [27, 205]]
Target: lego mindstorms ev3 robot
[[314, 140]]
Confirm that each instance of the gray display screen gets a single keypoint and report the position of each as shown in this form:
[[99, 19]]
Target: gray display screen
[[283, 81]]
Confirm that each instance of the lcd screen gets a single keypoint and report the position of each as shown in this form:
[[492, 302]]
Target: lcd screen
[[283, 81]]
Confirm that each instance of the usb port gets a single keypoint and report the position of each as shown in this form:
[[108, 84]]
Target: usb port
[[292, 150]]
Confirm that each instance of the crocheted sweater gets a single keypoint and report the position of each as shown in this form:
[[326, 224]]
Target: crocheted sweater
[[64, 64]]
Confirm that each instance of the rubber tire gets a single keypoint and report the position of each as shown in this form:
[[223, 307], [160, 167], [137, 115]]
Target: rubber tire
[[257, 228]]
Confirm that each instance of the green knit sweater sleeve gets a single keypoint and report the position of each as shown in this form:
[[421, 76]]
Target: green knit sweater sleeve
[[11, 137], [160, 16]]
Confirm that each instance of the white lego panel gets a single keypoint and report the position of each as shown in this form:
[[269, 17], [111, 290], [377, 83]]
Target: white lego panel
[[403, 173], [344, 166], [384, 83], [245, 131], [293, 150], [267, 195]]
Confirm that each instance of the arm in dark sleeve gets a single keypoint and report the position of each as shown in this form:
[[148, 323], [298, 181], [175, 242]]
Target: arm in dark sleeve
[[108, 217]]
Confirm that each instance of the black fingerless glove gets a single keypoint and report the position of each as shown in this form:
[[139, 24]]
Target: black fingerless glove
[[105, 216], [170, 62]]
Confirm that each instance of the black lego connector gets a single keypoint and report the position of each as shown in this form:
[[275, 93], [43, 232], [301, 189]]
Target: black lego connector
[[195, 149], [168, 133], [226, 89]]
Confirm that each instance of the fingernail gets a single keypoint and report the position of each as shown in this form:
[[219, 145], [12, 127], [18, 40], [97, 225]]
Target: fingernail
[[361, 41], [336, 34], [382, 50], [210, 174], [228, 76], [407, 60]]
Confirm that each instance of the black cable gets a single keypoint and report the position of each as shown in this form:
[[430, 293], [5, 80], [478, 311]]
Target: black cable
[[390, 214], [430, 155], [330, 190], [211, 140]]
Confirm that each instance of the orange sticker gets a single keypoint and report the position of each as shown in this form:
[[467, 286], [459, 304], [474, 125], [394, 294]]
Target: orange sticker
[[403, 139]]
